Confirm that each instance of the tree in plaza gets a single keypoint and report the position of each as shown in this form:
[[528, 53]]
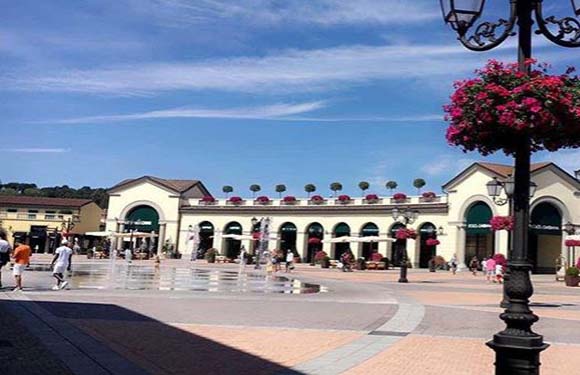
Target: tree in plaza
[[391, 185], [335, 186], [419, 183], [254, 188], [363, 185], [280, 189], [227, 189], [309, 188]]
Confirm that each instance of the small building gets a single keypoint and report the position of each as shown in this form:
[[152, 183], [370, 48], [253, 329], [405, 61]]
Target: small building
[[458, 218], [45, 220]]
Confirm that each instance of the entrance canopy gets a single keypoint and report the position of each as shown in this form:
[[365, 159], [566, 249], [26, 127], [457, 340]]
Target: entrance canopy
[[546, 219], [478, 218]]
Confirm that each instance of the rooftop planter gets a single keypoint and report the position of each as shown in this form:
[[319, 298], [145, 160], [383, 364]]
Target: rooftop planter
[[316, 199], [289, 200], [428, 196], [207, 200], [343, 199], [235, 201], [371, 199], [263, 200], [399, 198], [502, 223]]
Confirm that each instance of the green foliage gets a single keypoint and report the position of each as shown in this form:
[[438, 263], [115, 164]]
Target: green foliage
[[363, 185], [98, 195], [336, 186], [572, 271], [254, 189], [280, 189], [391, 185], [309, 188], [418, 183], [227, 189]]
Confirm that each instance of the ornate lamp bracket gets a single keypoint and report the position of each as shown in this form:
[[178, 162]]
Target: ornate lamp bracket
[[568, 28], [488, 35]]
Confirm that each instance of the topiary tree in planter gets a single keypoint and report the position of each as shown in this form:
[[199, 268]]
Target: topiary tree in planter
[[572, 277], [280, 189], [309, 189], [227, 189], [419, 183], [254, 189], [363, 186], [335, 187], [391, 185]]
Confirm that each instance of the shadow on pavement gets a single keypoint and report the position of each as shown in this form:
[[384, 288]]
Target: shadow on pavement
[[150, 344]]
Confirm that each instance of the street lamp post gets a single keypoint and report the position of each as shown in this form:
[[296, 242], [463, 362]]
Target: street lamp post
[[261, 226], [407, 216], [517, 347]]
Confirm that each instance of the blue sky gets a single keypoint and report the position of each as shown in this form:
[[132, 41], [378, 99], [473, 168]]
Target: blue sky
[[268, 92]]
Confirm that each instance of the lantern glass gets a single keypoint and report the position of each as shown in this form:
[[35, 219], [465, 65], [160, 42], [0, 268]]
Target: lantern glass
[[576, 7], [533, 188], [509, 186], [493, 188], [461, 14], [395, 213], [569, 228]]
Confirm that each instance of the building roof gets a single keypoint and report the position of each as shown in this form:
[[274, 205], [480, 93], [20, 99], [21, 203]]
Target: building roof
[[505, 170], [178, 186], [21, 200]]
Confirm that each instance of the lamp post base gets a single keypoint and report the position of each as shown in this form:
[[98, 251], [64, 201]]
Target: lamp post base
[[517, 355], [403, 275]]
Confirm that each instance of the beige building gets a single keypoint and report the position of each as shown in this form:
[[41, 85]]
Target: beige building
[[458, 218], [45, 220]]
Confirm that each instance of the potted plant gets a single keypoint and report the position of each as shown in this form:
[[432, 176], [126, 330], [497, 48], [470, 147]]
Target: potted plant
[[207, 200], [428, 196], [235, 200], [399, 197], [263, 200], [572, 277], [210, 255], [371, 198], [319, 258], [316, 199], [325, 262], [343, 199], [289, 199]]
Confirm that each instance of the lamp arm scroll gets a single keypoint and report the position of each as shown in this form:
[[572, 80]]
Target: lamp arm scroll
[[485, 36], [568, 34]]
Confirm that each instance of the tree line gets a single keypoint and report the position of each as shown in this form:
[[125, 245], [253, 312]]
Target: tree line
[[335, 187], [99, 195]]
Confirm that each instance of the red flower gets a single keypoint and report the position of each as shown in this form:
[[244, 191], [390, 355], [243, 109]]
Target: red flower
[[502, 223], [208, 199], [399, 196], [572, 243], [344, 198], [372, 197], [429, 195], [432, 242], [316, 198], [405, 233], [289, 198], [263, 199], [235, 200]]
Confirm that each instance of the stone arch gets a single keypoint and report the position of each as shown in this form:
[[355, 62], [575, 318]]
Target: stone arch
[[426, 231], [287, 232], [314, 234], [545, 241], [132, 205], [479, 238], [341, 229], [231, 246], [368, 248]]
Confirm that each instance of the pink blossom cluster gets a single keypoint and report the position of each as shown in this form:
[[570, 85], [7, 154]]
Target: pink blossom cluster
[[501, 105], [372, 197], [344, 198], [502, 223], [399, 196], [235, 200], [316, 198], [432, 242], [405, 233], [429, 195], [289, 199], [262, 199], [572, 243], [208, 199]]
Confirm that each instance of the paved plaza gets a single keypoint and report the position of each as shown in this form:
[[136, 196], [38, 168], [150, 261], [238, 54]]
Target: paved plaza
[[360, 323]]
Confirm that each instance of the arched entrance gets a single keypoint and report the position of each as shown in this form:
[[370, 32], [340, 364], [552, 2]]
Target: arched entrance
[[368, 248], [426, 252], [479, 238], [545, 240], [206, 234], [399, 246], [143, 218], [232, 246], [341, 230], [288, 232], [314, 237]]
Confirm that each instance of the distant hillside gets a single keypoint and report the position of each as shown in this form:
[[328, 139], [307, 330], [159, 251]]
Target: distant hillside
[[99, 195]]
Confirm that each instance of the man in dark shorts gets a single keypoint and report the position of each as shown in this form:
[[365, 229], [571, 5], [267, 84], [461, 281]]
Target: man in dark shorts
[[5, 250]]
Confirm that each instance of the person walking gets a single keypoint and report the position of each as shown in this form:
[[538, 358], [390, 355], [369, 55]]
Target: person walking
[[484, 266], [128, 255], [490, 267], [346, 259], [60, 264], [289, 260], [21, 258], [499, 273], [5, 250], [474, 265], [243, 253], [453, 264]]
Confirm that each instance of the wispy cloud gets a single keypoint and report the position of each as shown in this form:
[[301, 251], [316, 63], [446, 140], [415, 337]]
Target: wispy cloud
[[446, 165], [36, 150], [272, 12]]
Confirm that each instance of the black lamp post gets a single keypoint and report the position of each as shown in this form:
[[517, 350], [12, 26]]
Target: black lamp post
[[261, 226], [407, 216], [517, 347]]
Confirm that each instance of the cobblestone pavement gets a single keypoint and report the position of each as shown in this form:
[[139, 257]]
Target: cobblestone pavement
[[365, 323]]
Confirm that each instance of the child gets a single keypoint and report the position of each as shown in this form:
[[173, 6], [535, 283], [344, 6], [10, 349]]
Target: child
[[499, 273]]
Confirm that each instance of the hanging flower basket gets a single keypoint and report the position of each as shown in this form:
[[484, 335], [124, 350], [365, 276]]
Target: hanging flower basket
[[371, 198], [502, 223], [400, 197], [316, 199], [500, 259], [263, 200], [572, 243], [314, 240], [405, 233], [432, 242], [501, 105], [344, 199], [236, 200]]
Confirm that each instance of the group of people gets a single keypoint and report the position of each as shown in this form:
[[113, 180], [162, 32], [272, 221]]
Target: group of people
[[492, 269], [20, 258]]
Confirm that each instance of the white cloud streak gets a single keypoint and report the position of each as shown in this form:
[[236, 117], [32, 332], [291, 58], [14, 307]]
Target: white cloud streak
[[36, 150], [446, 165], [271, 12]]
